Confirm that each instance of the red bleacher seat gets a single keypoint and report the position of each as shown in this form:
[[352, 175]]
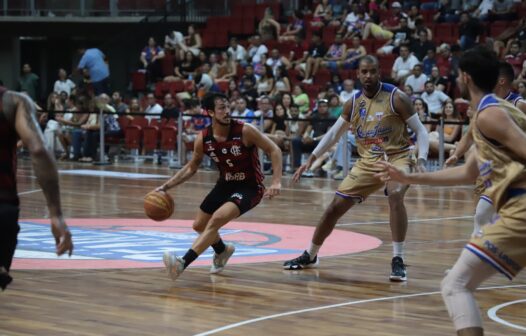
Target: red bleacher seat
[[138, 81], [323, 76], [168, 137], [369, 46], [132, 137], [496, 28], [150, 138]]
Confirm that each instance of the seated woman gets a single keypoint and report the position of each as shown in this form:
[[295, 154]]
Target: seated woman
[[185, 69], [266, 82], [322, 14], [282, 84], [297, 26], [354, 53], [225, 69], [150, 59], [192, 42], [451, 132], [279, 130]]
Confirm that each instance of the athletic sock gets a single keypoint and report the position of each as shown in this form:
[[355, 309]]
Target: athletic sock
[[398, 249], [313, 250], [189, 257], [219, 247]]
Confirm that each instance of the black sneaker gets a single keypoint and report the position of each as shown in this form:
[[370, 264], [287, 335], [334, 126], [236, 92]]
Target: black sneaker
[[398, 272], [5, 278], [301, 262]]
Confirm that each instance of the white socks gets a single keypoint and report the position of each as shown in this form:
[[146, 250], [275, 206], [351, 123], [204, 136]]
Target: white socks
[[483, 215], [313, 250], [398, 249]]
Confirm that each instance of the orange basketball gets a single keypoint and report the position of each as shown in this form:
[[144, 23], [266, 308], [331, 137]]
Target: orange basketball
[[158, 205]]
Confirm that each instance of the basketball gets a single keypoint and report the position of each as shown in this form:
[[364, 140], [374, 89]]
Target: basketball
[[158, 205]]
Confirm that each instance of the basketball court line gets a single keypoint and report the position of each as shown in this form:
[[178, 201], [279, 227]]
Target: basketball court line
[[410, 220], [492, 314], [29, 192], [343, 304]]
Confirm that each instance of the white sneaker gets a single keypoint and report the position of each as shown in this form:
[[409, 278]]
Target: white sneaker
[[174, 264], [328, 166], [221, 259]]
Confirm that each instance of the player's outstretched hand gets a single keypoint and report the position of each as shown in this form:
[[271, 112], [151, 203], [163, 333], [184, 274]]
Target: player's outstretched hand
[[390, 173], [451, 161], [304, 167], [273, 190], [63, 240]]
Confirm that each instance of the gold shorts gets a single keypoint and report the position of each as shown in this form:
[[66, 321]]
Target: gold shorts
[[479, 191], [503, 244], [360, 182]]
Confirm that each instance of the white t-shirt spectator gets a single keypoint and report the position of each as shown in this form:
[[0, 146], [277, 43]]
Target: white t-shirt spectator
[[345, 96], [417, 84], [156, 108], [64, 86], [485, 6], [255, 53], [435, 101], [403, 67], [240, 54]]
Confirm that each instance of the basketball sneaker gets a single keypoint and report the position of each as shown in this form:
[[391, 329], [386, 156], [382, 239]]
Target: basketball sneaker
[[220, 260], [174, 264], [398, 272], [5, 278], [301, 262]]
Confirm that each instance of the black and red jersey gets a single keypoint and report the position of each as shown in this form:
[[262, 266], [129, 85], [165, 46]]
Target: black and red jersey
[[235, 161], [8, 139]]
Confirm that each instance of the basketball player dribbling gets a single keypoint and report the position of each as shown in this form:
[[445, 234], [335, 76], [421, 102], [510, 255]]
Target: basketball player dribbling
[[379, 114], [233, 146], [484, 211], [500, 141], [18, 121]]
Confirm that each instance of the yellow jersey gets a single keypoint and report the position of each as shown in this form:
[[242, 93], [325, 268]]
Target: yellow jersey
[[499, 169], [378, 129]]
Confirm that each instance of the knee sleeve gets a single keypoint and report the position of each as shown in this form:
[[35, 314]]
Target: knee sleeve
[[458, 286], [484, 213]]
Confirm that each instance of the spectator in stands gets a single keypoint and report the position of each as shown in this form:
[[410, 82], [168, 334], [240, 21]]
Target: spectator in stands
[[338, 12], [88, 135], [322, 14], [335, 106], [248, 75], [204, 83], [194, 123], [348, 90], [192, 42], [401, 36], [135, 107], [256, 49], [184, 70], [421, 47], [172, 42], [514, 56], [451, 132], [412, 16], [28, 82], [408, 90], [521, 88], [170, 111], [279, 130], [417, 80], [301, 99], [423, 112], [299, 53], [376, 31], [392, 22], [403, 65], [336, 83], [420, 25], [150, 59], [316, 53], [444, 59], [226, 68], [241, 110], [296, 27], [266, 82], [503, 10], [353, 54], [445, 12], [232, 91], [63, 83], [469, 31], [249, 91], [152, 107], [354, 22], [429, 62], [268, 27], [440, 82], [276, 61], [335, 56], [313, 133], [237, 51], [118, 104], [93, 62], [282, 83], [68, 123], [484, 9], [265, 109], [434, 99]]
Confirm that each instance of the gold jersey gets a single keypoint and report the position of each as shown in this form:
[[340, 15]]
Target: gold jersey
[[500, 170], [378, 129]]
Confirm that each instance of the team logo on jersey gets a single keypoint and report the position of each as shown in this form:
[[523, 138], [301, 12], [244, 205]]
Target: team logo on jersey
[[235, 150], [237, 195], [363, 112]]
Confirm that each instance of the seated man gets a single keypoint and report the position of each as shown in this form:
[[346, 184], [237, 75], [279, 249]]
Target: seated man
[[313, 133]]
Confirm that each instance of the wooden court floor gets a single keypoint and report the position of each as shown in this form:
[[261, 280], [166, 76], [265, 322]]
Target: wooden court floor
[[348, 294]]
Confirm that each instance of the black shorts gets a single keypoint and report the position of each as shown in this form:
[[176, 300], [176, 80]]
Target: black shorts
[[245, 196], [8, 233]]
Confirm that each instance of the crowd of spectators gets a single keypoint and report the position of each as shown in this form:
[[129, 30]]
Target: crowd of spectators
[[299, 66]]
